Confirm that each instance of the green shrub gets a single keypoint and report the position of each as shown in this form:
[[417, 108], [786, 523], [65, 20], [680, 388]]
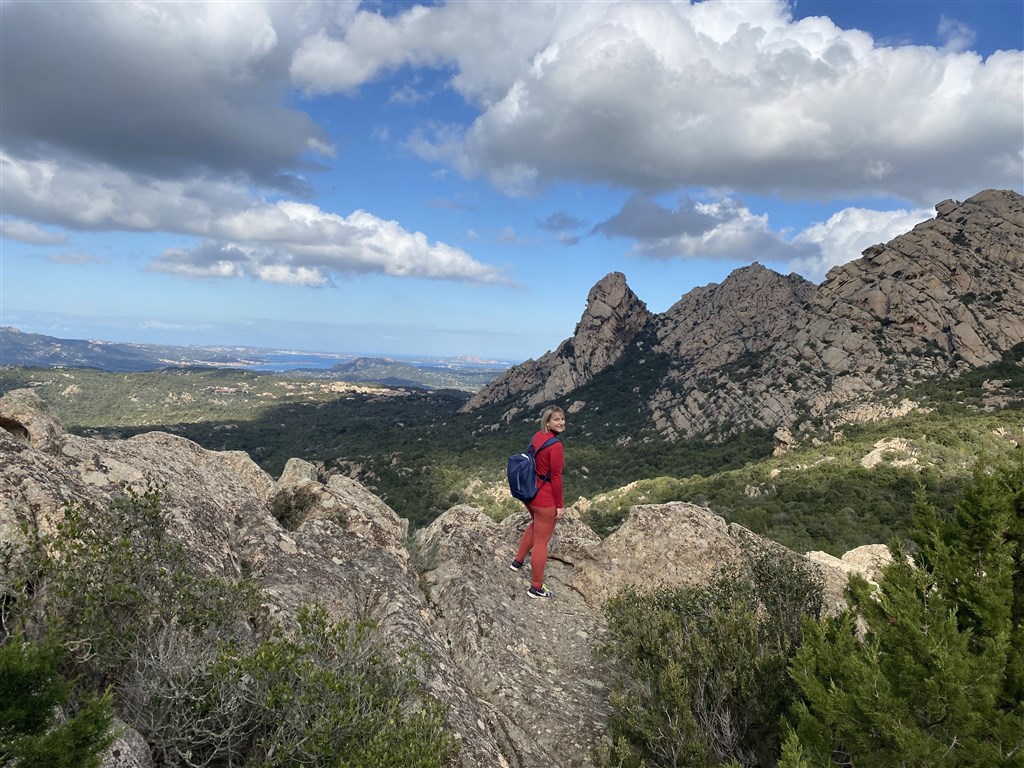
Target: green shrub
[[192, 664], [331, 697], [937, 678], [700, 672], [32, 691], [115, 585]]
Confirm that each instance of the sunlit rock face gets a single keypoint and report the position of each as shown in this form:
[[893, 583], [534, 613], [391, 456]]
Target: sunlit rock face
[[763, 350]]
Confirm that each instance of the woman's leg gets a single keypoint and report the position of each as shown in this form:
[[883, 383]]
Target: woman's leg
[[526, 542], [543, 526]]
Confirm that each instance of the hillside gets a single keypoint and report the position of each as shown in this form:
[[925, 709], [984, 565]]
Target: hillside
[[451, 599], [467, 376], [760, 398], [766, 351], [413, 449], [18, 348], [36, 349]]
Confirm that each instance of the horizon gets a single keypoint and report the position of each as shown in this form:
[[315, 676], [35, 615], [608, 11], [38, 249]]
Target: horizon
[[450, 180], [283, 352]]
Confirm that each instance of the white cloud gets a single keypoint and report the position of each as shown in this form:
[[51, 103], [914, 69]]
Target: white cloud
[[724, 95], [492, 43], [27, 232], [80, 258], [406, 95], [164, 89], [956, 35], [727, 229], [284, 241], [848, 233]]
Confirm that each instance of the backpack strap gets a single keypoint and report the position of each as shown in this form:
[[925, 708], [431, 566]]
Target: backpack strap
[[546, 444]]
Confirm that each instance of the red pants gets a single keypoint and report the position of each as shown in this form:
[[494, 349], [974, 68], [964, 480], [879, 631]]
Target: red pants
[[535, 541]]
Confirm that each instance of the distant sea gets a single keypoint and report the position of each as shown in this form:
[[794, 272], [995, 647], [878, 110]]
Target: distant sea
[[276, 362]]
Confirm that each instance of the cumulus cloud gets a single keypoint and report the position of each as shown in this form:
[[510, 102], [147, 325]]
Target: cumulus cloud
[[172, 90], [656, 96], [285, 241], [27, 232], [727, 229], [645, 219], [955, 35], [848, 233]]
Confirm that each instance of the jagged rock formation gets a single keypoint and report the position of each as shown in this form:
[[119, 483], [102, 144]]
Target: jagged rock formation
[[517, 676], [762, 350], [611, 320]]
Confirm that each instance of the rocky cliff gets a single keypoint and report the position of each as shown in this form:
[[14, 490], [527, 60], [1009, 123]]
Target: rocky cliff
[[762, 350], [612, 318], [517, 678]]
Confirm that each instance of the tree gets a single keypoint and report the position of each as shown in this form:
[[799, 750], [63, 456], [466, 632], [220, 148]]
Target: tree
[[32, 691], [927, 670]]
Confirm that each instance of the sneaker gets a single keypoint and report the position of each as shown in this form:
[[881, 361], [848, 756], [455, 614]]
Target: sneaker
[[542, 592], [515, 565]]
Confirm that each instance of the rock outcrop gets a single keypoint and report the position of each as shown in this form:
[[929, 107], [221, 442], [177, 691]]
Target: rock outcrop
[[611, 320], [517, 676], [762, 350]]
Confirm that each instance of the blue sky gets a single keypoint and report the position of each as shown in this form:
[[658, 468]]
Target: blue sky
[[451, 179]]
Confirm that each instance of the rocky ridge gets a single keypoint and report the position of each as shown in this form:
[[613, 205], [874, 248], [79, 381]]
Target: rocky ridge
[[612, 318], [517, 678], [762, 350]]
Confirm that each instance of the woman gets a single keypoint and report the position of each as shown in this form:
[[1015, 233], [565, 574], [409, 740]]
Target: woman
[[547, 507]]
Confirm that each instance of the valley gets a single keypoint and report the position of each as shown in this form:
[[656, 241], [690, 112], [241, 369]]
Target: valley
[[421, 455]]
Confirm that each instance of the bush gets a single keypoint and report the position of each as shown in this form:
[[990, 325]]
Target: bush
[[938, 677], [115, 586], [700, 672], [327, 695], [32, 691], [192, 666]]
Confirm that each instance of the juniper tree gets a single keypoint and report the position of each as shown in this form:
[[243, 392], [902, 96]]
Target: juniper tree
[[927, 670], [32, 693]]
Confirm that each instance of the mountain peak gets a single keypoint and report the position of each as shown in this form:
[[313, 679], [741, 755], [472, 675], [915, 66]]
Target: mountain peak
[[763, 350], [612, 318]]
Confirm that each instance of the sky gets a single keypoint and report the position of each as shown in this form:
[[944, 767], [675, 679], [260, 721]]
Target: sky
[[451, 179]]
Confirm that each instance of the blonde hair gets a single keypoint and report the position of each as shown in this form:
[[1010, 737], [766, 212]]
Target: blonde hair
[[546, 414]]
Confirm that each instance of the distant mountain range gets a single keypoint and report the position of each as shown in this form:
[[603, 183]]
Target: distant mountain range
[[39, 351], [444, 374], [767, 351]]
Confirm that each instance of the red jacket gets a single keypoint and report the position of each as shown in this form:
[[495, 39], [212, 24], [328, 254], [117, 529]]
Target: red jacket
[[551, 459]]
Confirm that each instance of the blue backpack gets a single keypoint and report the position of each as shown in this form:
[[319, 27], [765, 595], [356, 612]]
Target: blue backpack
[[522, 471]]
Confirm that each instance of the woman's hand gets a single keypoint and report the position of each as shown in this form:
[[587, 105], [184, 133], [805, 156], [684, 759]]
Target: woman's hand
[[559, 512]]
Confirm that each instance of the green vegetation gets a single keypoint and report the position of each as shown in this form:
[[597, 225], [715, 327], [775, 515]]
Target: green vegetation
[[421, 456], [822, 497], [32, 689], [938, 676], [125, 403], [411, 447], [926, 669], [700, 673], [190, 661]]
